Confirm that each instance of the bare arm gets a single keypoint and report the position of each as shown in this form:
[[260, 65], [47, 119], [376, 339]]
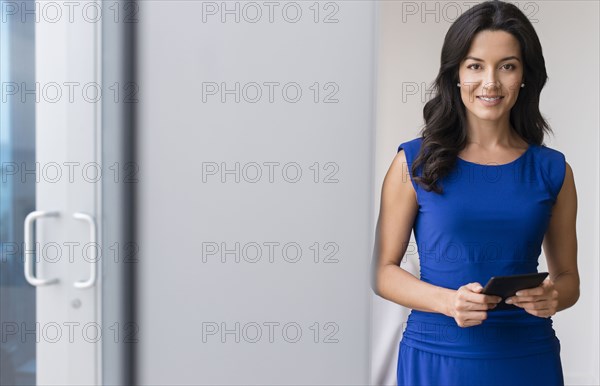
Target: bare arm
[[397, 213], [560, 244]]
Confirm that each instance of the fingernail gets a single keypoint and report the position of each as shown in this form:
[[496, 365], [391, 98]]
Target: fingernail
[[508, 301], [518, 293]]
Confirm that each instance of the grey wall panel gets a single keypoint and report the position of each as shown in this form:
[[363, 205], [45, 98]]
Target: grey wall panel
[[202, 206]]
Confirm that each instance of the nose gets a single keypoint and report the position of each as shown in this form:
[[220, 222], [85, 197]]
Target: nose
[[490, 84]]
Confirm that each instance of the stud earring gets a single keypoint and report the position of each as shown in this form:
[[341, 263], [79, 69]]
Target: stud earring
[[522, 85], [458, 85]]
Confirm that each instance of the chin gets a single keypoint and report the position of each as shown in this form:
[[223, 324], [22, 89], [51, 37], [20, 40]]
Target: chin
[[488, 115]]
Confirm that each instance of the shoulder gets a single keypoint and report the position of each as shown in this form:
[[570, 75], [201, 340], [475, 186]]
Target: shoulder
[[549, 152], [411, 144], [411, 149], [554, 167], [403, 161], [552, 160]]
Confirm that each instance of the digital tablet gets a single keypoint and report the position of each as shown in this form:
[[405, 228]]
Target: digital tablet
[[507, 286]]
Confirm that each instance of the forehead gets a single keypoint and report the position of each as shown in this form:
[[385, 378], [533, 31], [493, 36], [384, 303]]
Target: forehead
[[490, 45]]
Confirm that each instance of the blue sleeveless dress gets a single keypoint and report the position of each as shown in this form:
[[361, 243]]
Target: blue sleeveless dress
[[490, 221]]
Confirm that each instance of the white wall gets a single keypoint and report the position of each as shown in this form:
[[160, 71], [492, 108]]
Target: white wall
[[411, 36]]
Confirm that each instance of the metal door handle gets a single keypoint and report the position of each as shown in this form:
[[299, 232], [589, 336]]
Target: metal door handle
[[91, 281], [29, 250]]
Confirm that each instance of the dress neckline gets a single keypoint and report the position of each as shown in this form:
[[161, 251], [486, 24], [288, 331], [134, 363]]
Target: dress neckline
[[529, 147]]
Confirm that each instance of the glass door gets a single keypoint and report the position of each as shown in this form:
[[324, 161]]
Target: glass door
[[50, 258], [17, 198]]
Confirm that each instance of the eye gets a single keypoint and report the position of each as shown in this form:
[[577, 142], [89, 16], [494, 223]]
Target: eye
[[512, 66], [471, 65]]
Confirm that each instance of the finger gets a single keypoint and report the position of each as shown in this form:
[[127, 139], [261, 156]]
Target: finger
[[531, 298], [470, 306], [475, 287], [531, 291], [475, 316], [542, 310], [476, 299], [536, 305], [482, 298], [491, 299]]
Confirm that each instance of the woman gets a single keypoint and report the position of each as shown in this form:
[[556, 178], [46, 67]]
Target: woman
[[484, 195]]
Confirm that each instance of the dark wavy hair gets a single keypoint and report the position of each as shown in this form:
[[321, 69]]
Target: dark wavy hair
[[445, 133]]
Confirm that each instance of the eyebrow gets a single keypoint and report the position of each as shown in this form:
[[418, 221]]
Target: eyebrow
[[502, 60]]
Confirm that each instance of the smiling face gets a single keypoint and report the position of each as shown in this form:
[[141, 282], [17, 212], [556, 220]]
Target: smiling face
[[493, 67]]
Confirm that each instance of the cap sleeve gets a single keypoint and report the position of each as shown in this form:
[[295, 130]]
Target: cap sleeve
[[411, 148], [554, 165]]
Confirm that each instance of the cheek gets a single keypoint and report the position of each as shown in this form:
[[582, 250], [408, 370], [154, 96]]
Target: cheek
[[515, 89], [467, 96], [513, 84], [513, 94]]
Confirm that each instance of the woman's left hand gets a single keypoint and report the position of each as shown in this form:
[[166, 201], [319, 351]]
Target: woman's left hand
[[540, 301]]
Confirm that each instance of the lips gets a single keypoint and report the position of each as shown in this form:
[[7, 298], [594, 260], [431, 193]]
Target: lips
[[490, 96], [490, 101]]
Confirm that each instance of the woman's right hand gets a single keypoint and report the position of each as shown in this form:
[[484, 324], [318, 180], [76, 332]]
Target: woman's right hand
[[469, 307]]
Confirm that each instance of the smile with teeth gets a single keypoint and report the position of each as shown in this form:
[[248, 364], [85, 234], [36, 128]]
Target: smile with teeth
[[490, 99]]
